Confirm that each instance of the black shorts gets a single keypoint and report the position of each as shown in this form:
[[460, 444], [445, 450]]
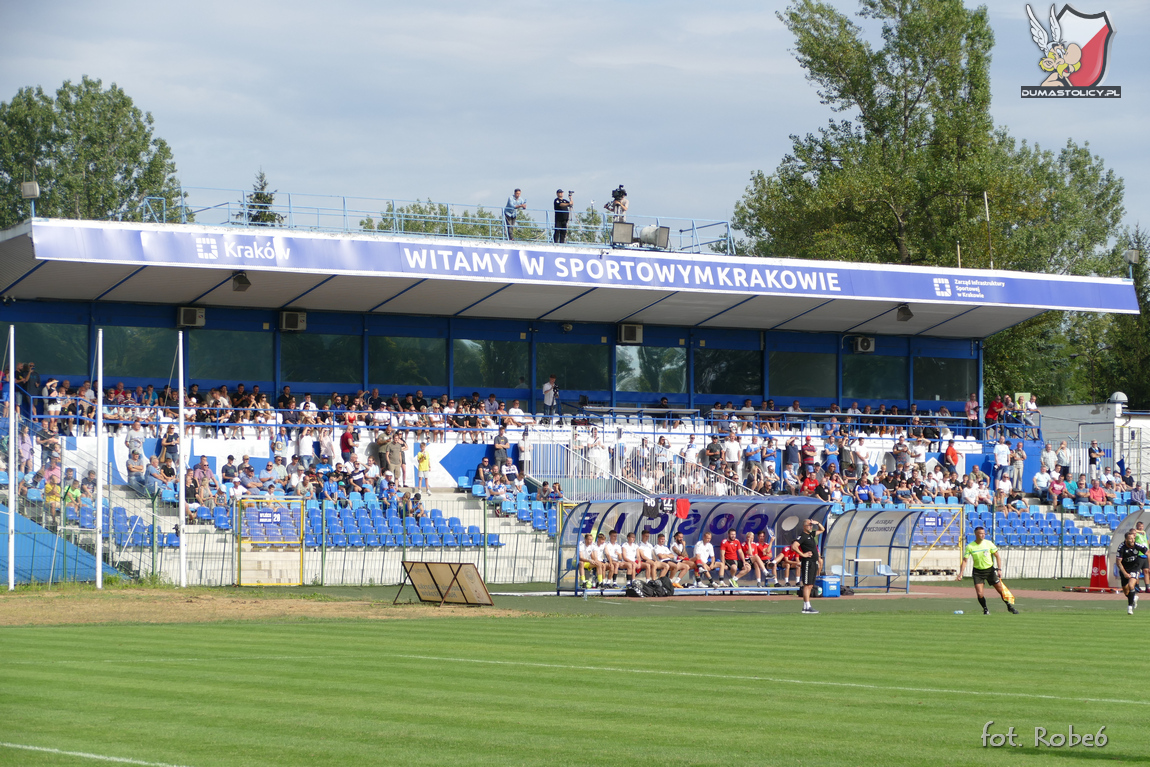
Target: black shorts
[[1143, 563], [988, 576], [732, 564], [808, 570]]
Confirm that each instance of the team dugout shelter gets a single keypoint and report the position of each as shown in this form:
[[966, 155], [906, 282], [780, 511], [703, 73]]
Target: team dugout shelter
[[619, 326]]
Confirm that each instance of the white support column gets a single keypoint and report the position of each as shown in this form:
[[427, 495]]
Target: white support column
[[101, 446], [182, 465], [13, 457]]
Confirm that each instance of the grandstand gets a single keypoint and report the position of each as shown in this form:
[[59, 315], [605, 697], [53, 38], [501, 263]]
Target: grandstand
[[414, 334]]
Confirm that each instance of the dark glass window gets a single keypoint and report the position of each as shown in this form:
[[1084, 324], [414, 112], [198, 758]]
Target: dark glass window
[[57, 350], [869, 376], [576, 366], [231, 355], [321, 358], [942, 378], [802, 374], [651, 369], [405, 361], [490, 364], [729, 371], [140, 353]]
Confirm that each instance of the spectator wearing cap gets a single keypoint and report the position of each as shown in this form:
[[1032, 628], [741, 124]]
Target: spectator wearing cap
[[135, 467], [229, 470], [250, 481]]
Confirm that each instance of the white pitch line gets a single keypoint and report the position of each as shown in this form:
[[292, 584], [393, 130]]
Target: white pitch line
[[80, 661], [734, 677], [83, 755]]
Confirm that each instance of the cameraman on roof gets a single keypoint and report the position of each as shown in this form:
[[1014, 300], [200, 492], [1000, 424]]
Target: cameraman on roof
[[618, 205]]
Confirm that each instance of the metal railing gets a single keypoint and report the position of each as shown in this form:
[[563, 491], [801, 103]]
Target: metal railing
[[423, 218], [584, 475]]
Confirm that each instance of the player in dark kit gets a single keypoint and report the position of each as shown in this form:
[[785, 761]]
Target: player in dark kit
[[1129, 557], [807, 546], [979, 552]]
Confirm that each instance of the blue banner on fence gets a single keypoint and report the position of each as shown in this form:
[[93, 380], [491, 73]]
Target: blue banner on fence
[[143, 244]]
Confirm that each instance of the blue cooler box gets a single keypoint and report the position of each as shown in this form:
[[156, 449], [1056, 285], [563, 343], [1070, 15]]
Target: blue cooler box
[[828, 585]]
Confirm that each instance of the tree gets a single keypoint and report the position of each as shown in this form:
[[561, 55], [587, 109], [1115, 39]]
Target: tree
[[1123, 367], [92, 151], [903, 180], [258, 207]]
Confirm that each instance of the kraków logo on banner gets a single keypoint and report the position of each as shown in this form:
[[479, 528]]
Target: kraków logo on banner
[[206, 247]]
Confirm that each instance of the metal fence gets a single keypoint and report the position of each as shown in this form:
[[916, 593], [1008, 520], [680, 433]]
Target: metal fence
[[334, 213]]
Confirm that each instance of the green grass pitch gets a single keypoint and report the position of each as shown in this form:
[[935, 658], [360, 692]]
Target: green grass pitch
[[597, 682]]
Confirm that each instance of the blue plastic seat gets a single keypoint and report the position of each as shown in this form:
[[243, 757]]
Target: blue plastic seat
[[415, 539], [478, 490], [435, 514], [433, 540], [1081, 540], [493, 540], [450, 540]]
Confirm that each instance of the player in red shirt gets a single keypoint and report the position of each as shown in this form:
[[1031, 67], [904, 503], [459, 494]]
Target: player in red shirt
[[734, 561], [790, 560], [759, 554]]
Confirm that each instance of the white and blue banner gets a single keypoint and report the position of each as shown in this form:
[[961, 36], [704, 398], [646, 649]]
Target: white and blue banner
[[442, 258]]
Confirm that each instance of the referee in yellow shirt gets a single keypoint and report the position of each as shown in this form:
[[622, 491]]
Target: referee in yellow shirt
[[979, 551]]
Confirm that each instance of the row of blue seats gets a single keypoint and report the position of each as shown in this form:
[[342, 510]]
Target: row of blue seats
[[1079, 540], [276, 537]]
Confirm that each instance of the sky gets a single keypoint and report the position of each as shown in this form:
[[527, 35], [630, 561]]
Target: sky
[[678, 101]]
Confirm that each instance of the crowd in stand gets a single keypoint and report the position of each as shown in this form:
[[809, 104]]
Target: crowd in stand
[[360, 441]]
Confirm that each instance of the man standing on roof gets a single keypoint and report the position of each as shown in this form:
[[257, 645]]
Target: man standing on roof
[[980, 551], [515, 203], [562, 213]]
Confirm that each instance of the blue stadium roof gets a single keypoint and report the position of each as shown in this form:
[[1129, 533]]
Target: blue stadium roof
[[178, 264]]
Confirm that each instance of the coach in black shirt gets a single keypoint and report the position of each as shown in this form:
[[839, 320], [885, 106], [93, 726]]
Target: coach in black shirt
[[807, 545]]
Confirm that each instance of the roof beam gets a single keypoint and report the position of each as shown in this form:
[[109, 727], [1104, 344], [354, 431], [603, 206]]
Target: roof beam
[[648, 306], [313, 287], [489, 295], [415, 284], [565, 303], [729, 308], [121, 282], [872, 319], [800, 314]]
